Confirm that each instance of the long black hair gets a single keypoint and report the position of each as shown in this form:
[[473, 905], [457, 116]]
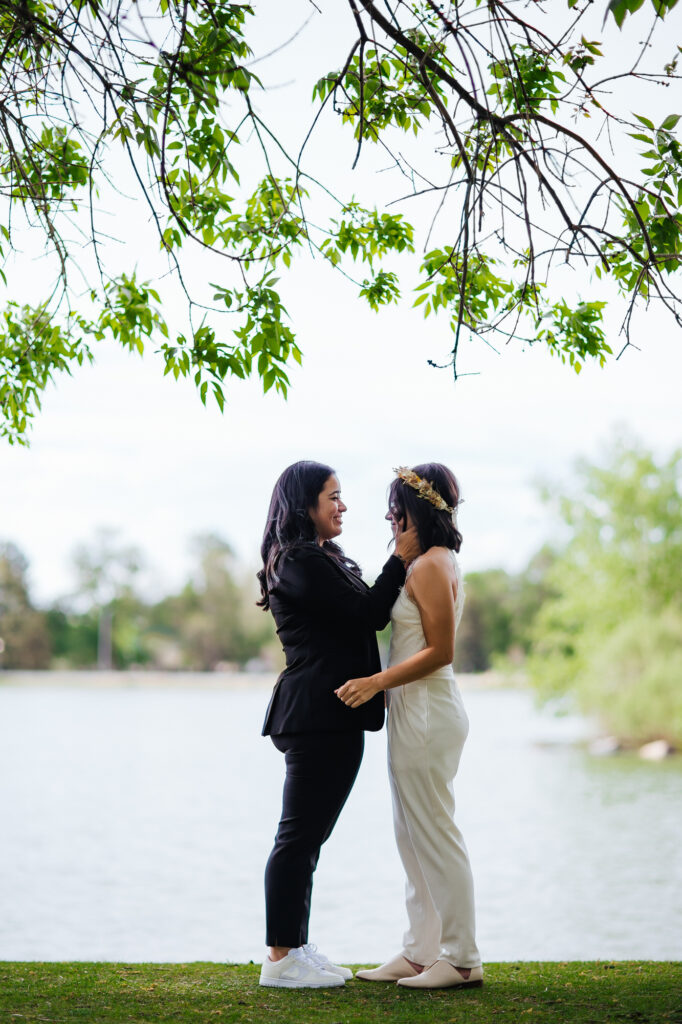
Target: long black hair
[[289, 524], [435, 527]]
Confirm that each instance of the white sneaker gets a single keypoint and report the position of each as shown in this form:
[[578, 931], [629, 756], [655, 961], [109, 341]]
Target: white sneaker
[[297, 970], [311, 950]]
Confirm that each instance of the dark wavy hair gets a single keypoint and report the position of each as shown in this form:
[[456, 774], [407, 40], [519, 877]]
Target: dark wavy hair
[[289, 524], [434, 528]]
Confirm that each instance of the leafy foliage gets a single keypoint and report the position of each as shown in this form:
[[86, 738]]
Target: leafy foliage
[[610, 636], [98, 99], [621, 8], [501, 89]]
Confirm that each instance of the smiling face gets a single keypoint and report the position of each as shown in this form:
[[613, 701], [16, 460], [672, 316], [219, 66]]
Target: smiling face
[[328, 513]]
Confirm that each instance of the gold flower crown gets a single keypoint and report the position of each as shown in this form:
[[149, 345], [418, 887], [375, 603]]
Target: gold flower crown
[[423, 488]]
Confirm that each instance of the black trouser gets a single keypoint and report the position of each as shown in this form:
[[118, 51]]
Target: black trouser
[[320, 772]]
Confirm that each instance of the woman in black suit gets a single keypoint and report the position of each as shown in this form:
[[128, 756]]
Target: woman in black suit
[[327, 619]]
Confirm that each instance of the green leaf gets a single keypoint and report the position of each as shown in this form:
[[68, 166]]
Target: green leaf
[[670, 122], [620, 8], [646, 122], [219, 396]]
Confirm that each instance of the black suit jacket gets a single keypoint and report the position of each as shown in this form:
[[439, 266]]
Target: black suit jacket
[[327, 620]]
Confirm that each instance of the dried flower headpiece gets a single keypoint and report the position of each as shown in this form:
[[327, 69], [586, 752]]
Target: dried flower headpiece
[[423, 488]]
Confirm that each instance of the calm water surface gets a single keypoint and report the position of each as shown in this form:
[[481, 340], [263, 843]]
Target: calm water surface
[[135, 823]]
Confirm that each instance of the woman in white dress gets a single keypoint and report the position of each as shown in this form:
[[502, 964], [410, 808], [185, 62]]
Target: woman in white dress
[[427, 727]]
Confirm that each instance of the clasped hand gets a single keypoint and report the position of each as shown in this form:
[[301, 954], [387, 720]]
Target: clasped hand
[[358, 691]]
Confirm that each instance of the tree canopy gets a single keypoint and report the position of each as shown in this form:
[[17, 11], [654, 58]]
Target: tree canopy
[[610, 637], [522, 136]]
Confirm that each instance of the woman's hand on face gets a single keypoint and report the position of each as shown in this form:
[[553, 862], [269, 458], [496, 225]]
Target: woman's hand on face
[[407, 546], [358, 691]]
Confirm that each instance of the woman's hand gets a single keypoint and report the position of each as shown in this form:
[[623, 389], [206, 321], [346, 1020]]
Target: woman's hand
[[407, 546], [358, 691]]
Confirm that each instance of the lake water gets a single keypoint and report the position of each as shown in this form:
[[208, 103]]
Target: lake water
[[135, 823]]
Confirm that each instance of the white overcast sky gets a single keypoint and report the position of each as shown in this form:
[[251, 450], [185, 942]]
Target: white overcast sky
[[118, 445]]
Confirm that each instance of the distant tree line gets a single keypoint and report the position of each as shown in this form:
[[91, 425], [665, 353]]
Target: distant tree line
[[595, 623], [212, 620]]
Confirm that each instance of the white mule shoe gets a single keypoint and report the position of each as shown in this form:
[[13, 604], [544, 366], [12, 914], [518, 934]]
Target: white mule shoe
[[392, 970], [443, 975]]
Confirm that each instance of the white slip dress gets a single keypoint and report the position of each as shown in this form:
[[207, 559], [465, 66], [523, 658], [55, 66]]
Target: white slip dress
[[427, 727]]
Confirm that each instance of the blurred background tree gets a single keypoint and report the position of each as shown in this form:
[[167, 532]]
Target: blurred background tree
[[106, 573], [23, 632], [210, 622], [495, 631], [610, 637]]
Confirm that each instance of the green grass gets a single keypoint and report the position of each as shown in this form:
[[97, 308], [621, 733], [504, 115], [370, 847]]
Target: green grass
[[527, 993]]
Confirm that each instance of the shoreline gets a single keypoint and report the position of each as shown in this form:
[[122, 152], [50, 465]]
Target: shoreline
[[93, 679]]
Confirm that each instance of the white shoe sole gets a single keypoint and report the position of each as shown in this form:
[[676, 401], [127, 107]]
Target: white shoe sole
[[293, 983]]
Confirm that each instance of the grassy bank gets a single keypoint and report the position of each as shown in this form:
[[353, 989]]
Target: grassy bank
[[541, 993]]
